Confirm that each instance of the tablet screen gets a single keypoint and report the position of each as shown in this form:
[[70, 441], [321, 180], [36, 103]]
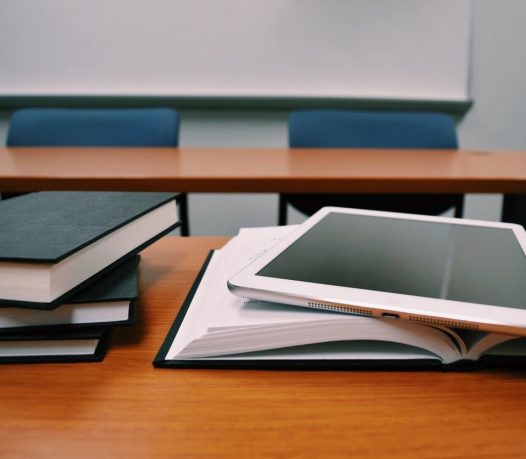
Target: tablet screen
[[466, 263]]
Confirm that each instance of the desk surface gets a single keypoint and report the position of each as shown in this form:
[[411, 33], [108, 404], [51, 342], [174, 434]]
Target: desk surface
[[123, 407], [262, 170]]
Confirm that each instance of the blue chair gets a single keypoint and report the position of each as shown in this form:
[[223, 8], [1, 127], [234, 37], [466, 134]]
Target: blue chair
[[368, 129], [135, 127]]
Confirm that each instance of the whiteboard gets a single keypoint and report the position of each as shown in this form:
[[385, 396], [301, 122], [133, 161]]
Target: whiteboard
[[384, 49]]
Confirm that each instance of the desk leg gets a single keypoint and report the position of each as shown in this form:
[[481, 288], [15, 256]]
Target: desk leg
[[514, 209]]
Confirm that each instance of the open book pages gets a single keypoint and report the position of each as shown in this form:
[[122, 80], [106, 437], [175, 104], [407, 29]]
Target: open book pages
[[219, 325]]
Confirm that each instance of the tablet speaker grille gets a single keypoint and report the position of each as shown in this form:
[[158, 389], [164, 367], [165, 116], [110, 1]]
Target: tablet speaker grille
[[346, 309], [444, 323]]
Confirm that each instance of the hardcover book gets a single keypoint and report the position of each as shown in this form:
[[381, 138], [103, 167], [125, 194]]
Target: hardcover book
[[50, 345], [215, 329], [108, 301], [52, 244]]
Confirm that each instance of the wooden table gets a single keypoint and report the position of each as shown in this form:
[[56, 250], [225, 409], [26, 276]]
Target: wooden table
[[277, 170], [125, 408], [262, 170]]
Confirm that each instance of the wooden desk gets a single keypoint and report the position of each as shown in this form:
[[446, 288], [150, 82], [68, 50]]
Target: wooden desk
[[123, 407], [262, 170], [269, 170]]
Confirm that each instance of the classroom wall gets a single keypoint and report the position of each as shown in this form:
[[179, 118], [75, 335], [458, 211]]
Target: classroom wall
[[496, 121]]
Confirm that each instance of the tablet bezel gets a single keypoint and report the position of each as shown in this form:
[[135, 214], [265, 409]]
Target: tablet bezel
[[420, 309]]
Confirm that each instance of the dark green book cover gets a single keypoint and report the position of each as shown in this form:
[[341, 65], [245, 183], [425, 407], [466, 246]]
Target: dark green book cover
[[48, 228]]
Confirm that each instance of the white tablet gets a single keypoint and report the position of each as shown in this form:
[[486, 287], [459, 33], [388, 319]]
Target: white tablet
[[432, 270]]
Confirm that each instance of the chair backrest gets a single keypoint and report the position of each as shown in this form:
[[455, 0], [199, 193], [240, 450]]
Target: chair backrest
[[106, 127], [371, 129], [133, 127]]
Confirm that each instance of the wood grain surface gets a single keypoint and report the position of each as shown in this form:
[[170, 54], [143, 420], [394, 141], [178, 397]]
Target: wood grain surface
[[262, 170], [124, 408]]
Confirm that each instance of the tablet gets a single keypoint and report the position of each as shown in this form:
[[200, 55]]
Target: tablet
[[433, 270]]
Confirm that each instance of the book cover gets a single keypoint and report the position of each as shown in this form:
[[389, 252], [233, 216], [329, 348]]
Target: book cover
[[53, 244], [111, 300]]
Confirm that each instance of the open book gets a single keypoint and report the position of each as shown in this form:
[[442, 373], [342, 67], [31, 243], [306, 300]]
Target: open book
[[217, 329]]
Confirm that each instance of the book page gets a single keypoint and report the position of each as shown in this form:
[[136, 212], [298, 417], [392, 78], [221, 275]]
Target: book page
[[38, 348], [480, 343], [348, 350]]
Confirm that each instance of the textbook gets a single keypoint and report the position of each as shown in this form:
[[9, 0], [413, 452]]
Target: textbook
[[52, 244], [50, 345], [215, 329], [109, 300]]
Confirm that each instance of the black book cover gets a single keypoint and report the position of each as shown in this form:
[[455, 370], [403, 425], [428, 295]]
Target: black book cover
[[47, 227], [101, 334], [120, 284]]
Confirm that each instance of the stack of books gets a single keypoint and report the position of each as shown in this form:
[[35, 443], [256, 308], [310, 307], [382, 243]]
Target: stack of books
[[68, 269]]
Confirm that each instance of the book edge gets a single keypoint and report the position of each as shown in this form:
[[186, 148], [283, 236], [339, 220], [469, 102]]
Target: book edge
[[103, 334], [172, 332], [130, 320]]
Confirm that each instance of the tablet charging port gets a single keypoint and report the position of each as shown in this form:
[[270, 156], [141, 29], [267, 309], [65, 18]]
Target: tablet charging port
[[390, 315]]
